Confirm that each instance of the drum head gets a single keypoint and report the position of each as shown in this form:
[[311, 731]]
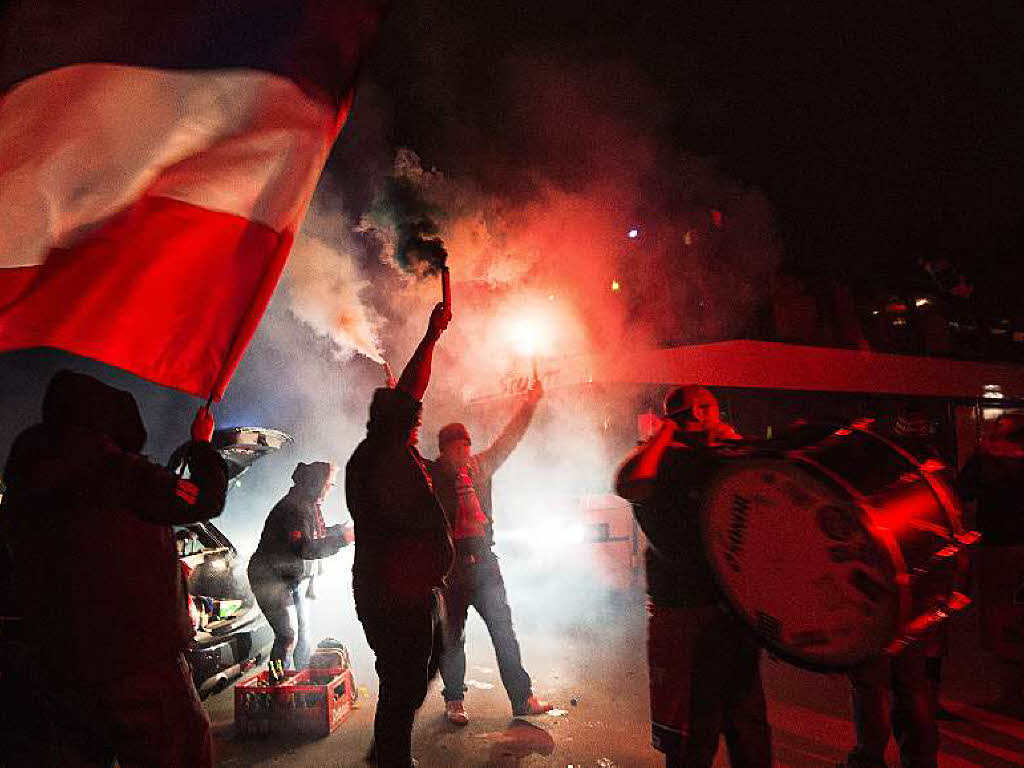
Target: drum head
[[798, 562]]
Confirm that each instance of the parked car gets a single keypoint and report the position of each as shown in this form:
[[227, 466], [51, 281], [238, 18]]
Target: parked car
[[232, 636]]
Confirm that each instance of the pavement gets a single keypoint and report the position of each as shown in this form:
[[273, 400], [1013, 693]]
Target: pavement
[[590, 663]]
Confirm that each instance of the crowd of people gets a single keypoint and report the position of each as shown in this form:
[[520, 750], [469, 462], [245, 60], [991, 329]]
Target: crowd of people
[[423, 538]]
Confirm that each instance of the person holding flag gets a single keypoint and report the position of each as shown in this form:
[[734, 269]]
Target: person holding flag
[[111, 682]]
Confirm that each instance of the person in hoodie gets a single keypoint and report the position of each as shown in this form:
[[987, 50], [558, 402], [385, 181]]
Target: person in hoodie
[[281, 569], [403, 551], [88, 520]]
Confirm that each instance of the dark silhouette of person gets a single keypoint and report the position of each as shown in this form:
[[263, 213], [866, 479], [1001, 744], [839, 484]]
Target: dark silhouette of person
[[994, 478], [88, 522], [403, 551], [897, 695], [281, 569]]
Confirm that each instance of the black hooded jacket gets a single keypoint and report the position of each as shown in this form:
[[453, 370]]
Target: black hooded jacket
[[88, 521], [403, 544], [290, 541]]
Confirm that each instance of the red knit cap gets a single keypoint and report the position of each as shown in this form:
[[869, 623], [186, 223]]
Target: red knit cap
[[451, 432]]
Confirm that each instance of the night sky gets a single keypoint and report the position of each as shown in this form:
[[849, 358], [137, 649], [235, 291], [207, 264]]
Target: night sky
[[881, 133]]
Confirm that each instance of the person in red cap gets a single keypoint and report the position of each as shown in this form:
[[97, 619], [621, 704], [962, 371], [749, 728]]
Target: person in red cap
[[462, 481], [704, 662]]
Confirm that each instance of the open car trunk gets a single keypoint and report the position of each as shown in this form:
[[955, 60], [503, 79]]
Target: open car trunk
[[232, 634]]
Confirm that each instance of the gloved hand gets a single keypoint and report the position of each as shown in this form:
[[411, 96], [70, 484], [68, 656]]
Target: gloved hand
[[202, 425]]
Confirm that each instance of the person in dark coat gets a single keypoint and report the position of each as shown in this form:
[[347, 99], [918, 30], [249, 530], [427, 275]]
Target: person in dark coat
[[281, 569], [704, 662], [403, 551], [994, 478], [88, 522], [462, 481]]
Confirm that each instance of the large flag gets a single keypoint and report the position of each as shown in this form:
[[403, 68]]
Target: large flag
[[156, 160]]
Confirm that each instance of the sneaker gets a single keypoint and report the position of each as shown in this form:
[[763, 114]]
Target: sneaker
[[532, 706], [455, 711]]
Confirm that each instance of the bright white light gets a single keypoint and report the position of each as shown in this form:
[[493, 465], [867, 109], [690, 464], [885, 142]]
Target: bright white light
[[921, 302], [992, 392], [556, 535], [616, 286], [633, 233], [530, 327], [527, 334]]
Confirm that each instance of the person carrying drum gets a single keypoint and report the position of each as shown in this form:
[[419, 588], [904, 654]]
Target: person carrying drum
[[704, 662]]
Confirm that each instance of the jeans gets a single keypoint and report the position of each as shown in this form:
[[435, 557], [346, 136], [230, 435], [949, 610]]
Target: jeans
[[476, 581], [913, 710], [406, 638], [287, 613]]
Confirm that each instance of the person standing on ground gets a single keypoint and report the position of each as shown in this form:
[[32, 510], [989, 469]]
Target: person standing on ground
[[462, 481], [280, 571], [994, 478], [88, 521], [704, 662], [403, 551]]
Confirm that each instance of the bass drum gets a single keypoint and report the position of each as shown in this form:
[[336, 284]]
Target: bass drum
[[834, 544]]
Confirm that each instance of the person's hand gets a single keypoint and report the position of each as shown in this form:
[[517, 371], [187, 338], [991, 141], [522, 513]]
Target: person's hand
[[343, 532], [535, 392], [439, 319], [202, 425]]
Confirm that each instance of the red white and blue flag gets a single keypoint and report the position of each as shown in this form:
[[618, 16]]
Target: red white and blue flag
[[156, 160]]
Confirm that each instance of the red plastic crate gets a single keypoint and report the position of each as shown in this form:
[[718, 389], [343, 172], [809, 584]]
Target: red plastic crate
[[312, 702], [257, 705], [316, 702]]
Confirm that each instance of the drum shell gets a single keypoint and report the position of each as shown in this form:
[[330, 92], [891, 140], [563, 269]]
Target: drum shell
[[831, 543]]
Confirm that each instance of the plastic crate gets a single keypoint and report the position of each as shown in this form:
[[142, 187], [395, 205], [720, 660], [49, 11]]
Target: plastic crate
[[315, 702], [312, 702], [257, 705]]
